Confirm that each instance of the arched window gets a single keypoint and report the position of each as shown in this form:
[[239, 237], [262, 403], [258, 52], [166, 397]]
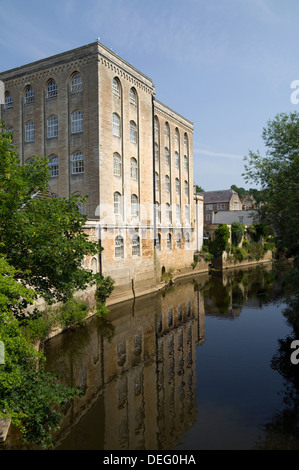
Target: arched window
[[178, 212], [176, 136], [167, 156], [29, 95], [158, 212], [52, 90], [116, 87], [77, 163], [176, 159], [116, 164], [116, 201], [8, 101], [133, 97], [77, 122], [167, 184], [187, 241], [76, 83], [133, 132], [133, 168], [185, 163], [167, 212], [156, 181], [116, 125], [52, 127], [136, 246], [177, 186], [29, 131], [186, 141], [186, 186], [134, 205], [187, 214], [53, 166], [156, 127], [119, 247], [156, 153], [178, 241], [158, 242], [169, 247]]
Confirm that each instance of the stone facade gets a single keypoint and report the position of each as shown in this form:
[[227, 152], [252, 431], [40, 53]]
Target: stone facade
[[96, 117]]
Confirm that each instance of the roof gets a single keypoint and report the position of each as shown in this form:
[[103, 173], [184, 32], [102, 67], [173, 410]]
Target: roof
[[212, 197]]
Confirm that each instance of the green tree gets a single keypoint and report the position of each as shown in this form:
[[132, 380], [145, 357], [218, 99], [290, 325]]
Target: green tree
[[199, 189], [277, 174], [42, 238]]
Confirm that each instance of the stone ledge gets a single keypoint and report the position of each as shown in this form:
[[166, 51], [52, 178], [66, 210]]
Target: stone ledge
[[4, 427]]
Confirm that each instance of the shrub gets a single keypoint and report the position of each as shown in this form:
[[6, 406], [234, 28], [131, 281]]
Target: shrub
[[237, 231]]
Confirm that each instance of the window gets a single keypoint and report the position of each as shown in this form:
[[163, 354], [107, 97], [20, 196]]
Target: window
[[177, 186], [29, 95], [116, 125], [208, 217], [185, 163], [176, 136], [77, 163], [52, 90], [116, 200], [236, 206], [76, 83], [156, 124], [133, 97], [8, 103], [176, 159], [178, 213], [29, 131], [119, 247], [167, 156], [158, 212], [158, 242], [167, 212], [186, 141], [134, 205], [220, 207], [116, 87], [156, 181], [133, 132], [134, 168], [209, 207], [53, 166], [178, 241], [166, 129], [77, 122], [186, 185], [136, 246], [187, 241], [169, 241], [52, 127], [156, 153], [167, 183], [116, 164], [187, 214]]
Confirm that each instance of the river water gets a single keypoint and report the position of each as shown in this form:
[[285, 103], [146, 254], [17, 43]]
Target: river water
[[193, 367], [204, 364]]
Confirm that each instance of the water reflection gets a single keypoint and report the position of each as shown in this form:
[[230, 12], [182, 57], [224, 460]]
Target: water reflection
[[137, 371], [140, 369]]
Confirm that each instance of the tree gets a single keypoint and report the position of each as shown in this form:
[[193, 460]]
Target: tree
[[277, 174], [199, 189], [42, 238]]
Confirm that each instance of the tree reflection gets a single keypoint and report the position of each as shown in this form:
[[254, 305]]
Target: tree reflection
[[282, 432]]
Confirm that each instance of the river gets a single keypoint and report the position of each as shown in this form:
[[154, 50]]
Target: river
[[204, 364]]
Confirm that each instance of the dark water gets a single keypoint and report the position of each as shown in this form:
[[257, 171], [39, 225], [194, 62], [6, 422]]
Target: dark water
[[203, 365]]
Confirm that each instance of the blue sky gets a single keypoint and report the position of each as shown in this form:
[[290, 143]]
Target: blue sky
[[226, 65]]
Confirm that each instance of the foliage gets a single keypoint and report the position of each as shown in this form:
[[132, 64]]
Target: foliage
[[220, 242], [199, 189], [43, 238], [277, 174], [237, 231]]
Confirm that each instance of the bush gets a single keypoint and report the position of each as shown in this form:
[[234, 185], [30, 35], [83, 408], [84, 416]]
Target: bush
[[237, 231], [72, 313]]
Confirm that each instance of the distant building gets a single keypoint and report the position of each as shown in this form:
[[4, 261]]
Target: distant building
[[96, 117]]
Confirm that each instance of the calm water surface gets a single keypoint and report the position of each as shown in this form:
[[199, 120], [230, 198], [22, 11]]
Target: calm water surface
[[203, 365]]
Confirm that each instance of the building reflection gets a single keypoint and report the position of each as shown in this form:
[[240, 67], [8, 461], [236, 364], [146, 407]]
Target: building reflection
[[137, 371]]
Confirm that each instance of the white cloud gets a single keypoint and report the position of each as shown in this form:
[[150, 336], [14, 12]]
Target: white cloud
[[217, 154]]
